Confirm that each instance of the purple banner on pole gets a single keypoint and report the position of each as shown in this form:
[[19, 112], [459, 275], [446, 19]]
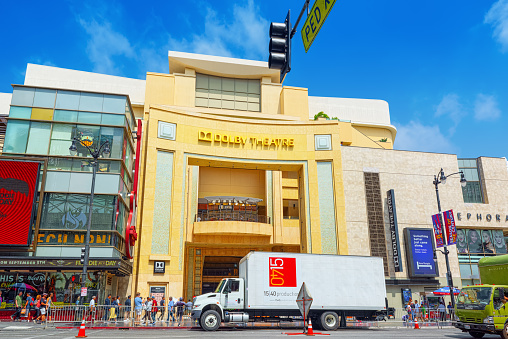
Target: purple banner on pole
[[451, 229], [438, 230]]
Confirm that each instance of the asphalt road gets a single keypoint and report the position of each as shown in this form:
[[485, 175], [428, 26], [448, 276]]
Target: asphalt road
[[450, 333]]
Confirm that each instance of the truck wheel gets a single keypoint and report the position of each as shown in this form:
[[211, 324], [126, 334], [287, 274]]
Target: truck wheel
[[475, 334], [504, 334], [210, 320], [329, 321]]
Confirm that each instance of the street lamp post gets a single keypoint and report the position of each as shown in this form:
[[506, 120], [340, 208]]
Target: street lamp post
[[95, 153], [440, 178]]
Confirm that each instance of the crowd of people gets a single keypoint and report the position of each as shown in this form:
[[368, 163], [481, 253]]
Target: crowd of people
[[143, 311], [425, 312], [26, 305]]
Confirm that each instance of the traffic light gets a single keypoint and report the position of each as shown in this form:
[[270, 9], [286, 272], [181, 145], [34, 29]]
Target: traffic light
[[280, 47], [83, 252]]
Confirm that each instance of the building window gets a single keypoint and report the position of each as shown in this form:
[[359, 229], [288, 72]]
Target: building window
[[472, 193], [228, 93]]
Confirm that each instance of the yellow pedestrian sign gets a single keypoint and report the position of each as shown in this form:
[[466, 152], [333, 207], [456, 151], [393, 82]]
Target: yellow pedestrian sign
[[315, 20]]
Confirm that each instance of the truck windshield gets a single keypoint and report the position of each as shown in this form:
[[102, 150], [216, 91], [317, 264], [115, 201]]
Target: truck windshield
[[474, 296], [219, 288]]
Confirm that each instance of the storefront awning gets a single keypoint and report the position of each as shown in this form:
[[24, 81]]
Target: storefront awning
[[118, 267]]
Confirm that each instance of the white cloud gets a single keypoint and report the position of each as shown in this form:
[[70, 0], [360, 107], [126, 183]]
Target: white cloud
[[451, 107], [418, 137], [246, 36], [104, 44], [497, 17], [486, 108]]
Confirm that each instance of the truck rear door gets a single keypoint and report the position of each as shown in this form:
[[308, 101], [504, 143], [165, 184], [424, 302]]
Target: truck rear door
[[234, 299]]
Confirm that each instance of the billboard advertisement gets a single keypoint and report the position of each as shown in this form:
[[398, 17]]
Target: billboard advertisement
[[420, 252], [18, 188], [394, 230]]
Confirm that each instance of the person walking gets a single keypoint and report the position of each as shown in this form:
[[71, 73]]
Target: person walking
[[117, 307], [77, 313], [162, 309], [93, 308], [171, 305], [29, 305], [49, 306], [138, 306], [107, 306], [127, 309], [450, 311], [442, 311], [180, 306], [188, 307], [148, 311], [18, 304], [44, 305], [37, 308], [154, 310]]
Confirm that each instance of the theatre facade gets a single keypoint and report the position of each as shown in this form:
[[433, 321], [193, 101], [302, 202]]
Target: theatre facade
[[232, 161]]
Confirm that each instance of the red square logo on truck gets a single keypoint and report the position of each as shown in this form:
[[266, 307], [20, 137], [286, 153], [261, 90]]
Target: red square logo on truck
[[282, 272]]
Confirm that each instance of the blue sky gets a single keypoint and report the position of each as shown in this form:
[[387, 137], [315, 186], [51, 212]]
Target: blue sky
[[441, 65]]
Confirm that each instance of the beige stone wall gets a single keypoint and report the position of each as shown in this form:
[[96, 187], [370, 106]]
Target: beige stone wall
[[411, 175]]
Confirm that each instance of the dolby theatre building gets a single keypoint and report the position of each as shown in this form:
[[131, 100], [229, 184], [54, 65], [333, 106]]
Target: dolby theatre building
[[232, 161]]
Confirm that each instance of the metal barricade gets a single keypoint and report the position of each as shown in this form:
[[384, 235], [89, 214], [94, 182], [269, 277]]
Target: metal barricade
[[93, 316]]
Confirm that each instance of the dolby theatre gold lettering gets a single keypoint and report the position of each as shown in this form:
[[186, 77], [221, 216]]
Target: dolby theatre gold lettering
[[253, 141]]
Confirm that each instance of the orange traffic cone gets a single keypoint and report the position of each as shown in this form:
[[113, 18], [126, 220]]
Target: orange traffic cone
[[81, 333], [417, 327], [309, 329]]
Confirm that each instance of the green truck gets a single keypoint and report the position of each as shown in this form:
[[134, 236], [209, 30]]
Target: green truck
[[483, 308]]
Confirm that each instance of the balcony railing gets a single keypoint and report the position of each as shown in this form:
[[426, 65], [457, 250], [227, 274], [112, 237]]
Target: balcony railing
[[232, 216]]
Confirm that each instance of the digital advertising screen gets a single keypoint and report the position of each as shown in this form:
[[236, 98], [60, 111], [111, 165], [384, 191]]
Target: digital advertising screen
[[420, 252], [18, 188]]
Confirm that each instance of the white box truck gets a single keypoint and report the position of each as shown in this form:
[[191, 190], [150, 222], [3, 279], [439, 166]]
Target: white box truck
[[269, 282]]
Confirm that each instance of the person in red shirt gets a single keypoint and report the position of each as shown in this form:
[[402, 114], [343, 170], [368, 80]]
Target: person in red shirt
[[154, 309]]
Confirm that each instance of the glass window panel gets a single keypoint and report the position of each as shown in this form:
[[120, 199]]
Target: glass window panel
[[61, 138], [113, 119], [67, 100], [88, 135], [201, 102], [42, 114], [22, 96], [214, 103], [228, 84], [128, 157], [114, 104], [241, 85], [16, 136], [38, 138], [20, 112], [82, 165], [53, 211], [91, 102], [214, 94], [201, 93], [115, 138], [241, 105], [215, 83], [69, 116], [228, 95], [104, 212], [44, 98], [465, 271], [254, 86], [89, 117], [62, 164], [228, 104], [241, 97], [474, 174], [460, 163], [201, 81], [474, 272], [253, 98], [76, 212], [253, 107]]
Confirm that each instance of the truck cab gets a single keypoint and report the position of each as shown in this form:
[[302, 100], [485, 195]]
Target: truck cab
[[226, 304], [483, 309]]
